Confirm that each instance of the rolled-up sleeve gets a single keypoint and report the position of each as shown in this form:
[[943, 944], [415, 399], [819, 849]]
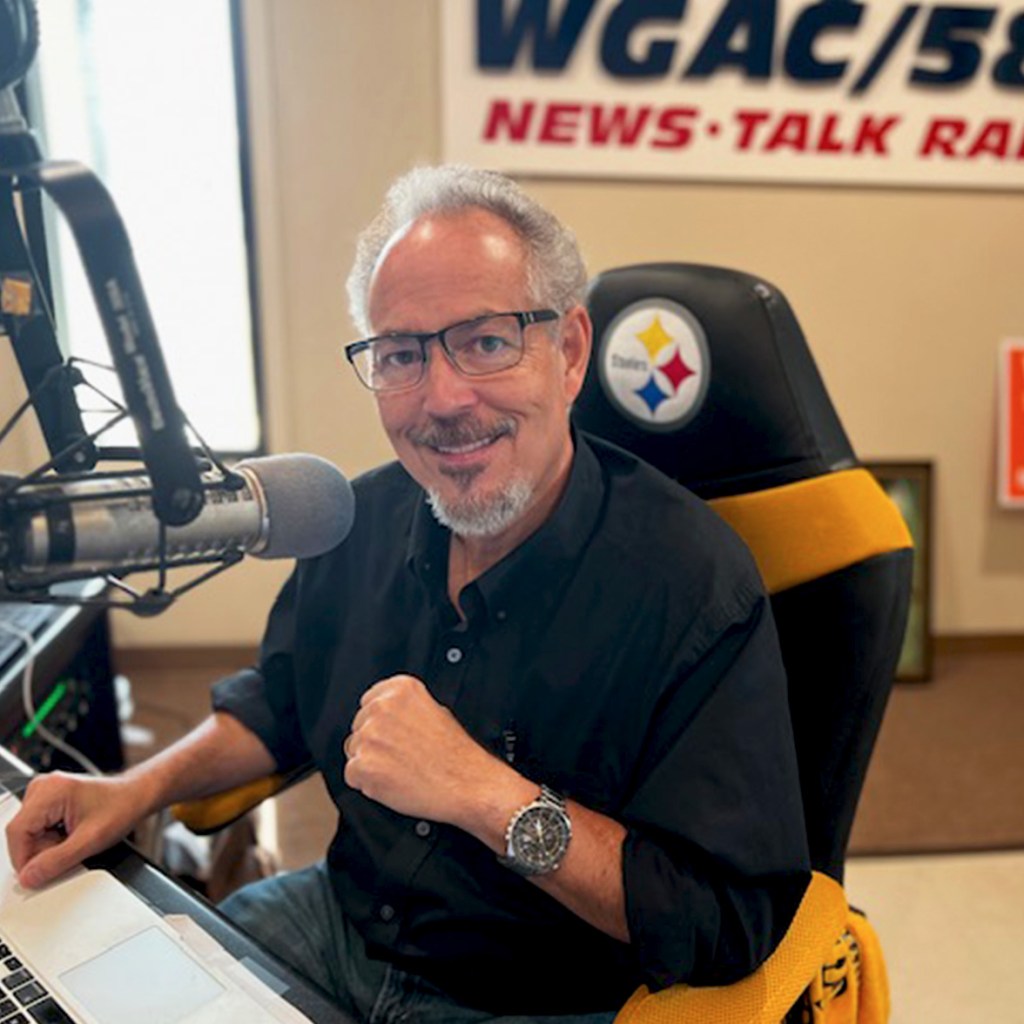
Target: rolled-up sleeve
[[262, 698], [715, 861]]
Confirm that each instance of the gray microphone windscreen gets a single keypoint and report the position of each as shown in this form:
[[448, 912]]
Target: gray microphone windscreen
[[310, 506]]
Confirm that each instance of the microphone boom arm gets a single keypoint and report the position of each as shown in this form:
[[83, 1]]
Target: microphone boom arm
[[131, 334], [113, 278]]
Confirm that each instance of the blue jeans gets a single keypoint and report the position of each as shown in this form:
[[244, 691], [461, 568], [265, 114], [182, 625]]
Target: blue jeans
[[297, 917]]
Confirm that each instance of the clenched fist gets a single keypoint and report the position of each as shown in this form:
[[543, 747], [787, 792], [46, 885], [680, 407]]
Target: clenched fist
[[410, 753]]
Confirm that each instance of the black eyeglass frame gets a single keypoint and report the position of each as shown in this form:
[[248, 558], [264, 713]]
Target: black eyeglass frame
[[523, 317]]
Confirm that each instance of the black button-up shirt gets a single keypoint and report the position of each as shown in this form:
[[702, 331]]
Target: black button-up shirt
[[625, 656]]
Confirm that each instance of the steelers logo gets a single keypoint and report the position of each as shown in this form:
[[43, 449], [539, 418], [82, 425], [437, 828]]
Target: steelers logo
[[654, 364]]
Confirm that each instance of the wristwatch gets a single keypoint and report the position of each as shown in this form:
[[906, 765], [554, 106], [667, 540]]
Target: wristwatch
[[538, 835]]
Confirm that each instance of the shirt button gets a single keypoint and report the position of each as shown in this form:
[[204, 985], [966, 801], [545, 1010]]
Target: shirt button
[[501, 615], [423, 829], [387, 912], [454, 655]]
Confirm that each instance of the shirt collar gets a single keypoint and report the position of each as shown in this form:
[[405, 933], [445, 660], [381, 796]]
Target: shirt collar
[[534, 569], [428, 548]]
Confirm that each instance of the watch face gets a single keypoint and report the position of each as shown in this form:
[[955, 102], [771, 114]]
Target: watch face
[[540, 837]]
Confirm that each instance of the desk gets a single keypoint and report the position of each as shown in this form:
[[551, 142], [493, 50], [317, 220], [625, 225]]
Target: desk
[[168, 897]]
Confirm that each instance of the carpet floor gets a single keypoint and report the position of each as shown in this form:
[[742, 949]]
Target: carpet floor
[[948, 770]]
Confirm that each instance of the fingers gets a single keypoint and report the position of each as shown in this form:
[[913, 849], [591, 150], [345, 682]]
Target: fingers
[[360, 718], [63, 819], [385, 689], [29, 849], [55, 858], [391, 685], [35, 826], [407, 751], [374, 692]]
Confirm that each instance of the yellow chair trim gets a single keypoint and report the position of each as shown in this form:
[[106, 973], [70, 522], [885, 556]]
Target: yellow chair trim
[[214, 812], [767, 995], [852, 986], [810, 528], [875, 1001]]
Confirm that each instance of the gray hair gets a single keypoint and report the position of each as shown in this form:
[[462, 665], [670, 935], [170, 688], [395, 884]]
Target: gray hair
[[556, 275]]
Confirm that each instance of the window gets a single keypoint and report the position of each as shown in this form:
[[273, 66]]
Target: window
[[144, 92]]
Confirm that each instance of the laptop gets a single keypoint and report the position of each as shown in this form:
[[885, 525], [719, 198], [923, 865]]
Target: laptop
[[87, 950]]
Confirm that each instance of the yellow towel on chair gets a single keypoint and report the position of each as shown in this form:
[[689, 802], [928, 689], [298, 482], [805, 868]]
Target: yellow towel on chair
[[853, 986], [848, 986]]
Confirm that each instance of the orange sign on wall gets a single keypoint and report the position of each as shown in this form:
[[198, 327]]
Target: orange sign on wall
[[1011, 424]]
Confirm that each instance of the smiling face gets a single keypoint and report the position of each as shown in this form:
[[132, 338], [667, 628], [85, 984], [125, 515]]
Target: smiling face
[[492, 452]]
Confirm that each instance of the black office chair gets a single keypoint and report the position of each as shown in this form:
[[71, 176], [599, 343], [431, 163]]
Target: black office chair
[[705, 373]]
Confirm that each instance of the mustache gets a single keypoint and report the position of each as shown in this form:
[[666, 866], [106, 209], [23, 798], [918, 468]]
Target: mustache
[[464, 430]]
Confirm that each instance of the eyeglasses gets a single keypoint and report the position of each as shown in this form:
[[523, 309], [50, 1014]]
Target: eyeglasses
[[476, 348]]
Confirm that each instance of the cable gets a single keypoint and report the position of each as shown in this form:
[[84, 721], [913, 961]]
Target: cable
[[29, 704]]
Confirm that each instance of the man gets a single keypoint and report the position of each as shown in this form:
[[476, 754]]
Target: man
[[541, 680]]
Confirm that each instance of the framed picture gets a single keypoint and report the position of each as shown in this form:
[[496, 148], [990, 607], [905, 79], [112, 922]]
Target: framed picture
[[909, 484], [1010, 476]]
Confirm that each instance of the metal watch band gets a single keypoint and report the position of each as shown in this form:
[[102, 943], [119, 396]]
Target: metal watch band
[[546, 831], [549, 796]]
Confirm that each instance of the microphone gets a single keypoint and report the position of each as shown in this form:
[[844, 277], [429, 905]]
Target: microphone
[[281, 506]]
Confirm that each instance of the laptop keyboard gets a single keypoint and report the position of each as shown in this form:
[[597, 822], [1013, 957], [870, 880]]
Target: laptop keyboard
[[23, 998]]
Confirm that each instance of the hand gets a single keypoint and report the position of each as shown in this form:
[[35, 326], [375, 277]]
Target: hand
[[66, 818], [410, 753]]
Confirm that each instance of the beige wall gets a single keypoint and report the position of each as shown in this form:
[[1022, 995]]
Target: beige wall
[[904, 295]]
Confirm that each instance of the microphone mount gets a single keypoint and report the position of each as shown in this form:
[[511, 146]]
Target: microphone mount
[[42, 490]]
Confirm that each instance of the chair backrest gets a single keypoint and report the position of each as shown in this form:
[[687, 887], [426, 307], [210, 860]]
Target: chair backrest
[[705, 373]]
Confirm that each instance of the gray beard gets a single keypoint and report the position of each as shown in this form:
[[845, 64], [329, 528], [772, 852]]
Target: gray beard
[[482, 515]]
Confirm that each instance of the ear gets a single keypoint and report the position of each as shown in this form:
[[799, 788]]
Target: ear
[[577, 337]]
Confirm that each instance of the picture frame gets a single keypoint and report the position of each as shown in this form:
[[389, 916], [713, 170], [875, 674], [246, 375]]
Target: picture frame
[[909, 484], [1010, 444]]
